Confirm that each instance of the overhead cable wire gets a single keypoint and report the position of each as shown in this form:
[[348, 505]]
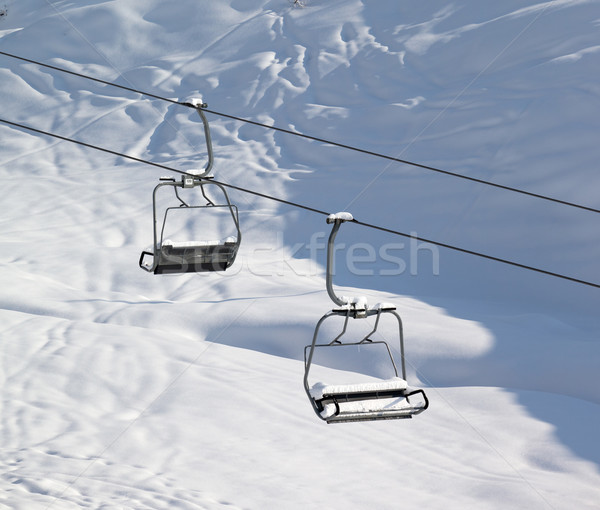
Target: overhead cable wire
[[305, 207], [313, 138], [406, 162]]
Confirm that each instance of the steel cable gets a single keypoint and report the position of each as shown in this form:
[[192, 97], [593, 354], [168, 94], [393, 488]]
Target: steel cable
[[305, 207]]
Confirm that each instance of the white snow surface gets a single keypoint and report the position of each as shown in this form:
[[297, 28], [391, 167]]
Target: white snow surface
[[122, 389]]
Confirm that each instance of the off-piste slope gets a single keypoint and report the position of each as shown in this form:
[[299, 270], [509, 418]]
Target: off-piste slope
[[121, 389]]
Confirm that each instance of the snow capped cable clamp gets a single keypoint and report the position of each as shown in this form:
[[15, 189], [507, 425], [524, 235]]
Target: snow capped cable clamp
[[340, 216], [195, 102], [357, 306]]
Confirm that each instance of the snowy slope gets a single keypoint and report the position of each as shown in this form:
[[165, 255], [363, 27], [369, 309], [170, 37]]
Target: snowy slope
[[122, 389]]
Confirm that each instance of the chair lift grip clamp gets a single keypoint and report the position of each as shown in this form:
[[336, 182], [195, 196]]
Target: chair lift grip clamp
[[340, 217], [195, 103]]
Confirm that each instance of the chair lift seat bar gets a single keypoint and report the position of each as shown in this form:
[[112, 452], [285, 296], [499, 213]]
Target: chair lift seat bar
[[347, 416], [193, 244], [396, 406], [368, 417], [335, 410], [186, 257], [197, 252], [215, 259], [394, 385], [195, 267]]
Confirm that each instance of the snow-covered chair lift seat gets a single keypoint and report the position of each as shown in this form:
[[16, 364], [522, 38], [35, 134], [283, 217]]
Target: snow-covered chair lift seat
[[178, 256], [196, 256], [386, 399]]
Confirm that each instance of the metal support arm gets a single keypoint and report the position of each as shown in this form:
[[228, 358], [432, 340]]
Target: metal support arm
[[209, 165], [330, 253]]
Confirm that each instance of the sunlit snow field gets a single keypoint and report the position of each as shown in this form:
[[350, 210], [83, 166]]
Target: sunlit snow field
[[122, 389]]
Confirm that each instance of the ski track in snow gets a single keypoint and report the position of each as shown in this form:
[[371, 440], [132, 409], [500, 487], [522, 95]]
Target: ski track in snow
[[122, 389]]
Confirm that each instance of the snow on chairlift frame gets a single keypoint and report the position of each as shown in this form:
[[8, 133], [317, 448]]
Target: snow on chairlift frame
[[192, 256], [379, 400]]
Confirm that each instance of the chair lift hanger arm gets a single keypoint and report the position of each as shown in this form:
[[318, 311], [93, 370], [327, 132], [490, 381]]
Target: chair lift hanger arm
[[337, 219], [209, 165], [198, 104]]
